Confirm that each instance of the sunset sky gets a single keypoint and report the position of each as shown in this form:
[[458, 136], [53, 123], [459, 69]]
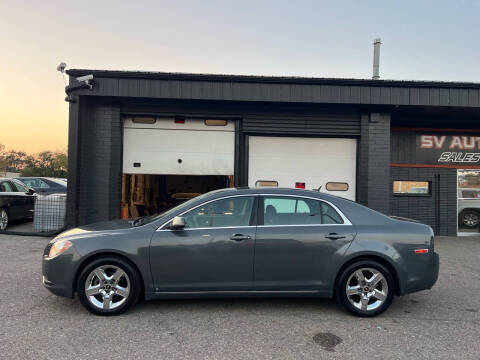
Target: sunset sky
[[422, 40]]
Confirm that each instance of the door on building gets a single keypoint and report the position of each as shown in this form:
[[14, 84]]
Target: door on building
[[468, 201], [310, 163], [215, 250], [170, 160]]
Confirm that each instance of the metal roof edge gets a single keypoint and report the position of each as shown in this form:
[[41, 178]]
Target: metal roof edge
[[269, 79]]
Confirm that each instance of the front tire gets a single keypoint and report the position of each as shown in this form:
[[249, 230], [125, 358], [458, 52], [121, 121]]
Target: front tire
[[108, 286], [365, 288], [3, 219]]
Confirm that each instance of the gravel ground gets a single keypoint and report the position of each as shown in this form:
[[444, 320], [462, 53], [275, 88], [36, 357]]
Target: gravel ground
[[442, 323]]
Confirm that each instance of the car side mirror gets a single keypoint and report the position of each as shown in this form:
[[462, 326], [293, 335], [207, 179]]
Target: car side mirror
[[31, 191], [178, 223]]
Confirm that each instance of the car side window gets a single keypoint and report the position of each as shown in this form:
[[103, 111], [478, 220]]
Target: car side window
[[279, 210], [18, 187], [36, 183], [6, 187], [234, 211], [330, 215]]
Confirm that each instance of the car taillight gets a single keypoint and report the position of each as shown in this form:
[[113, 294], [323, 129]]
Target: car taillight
[[421, 251]]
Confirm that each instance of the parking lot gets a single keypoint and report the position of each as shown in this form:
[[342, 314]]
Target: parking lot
[[441, 323]]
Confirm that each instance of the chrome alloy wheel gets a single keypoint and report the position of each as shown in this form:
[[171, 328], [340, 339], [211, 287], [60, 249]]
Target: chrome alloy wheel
[[367, 289], [3, 219], [470, 219], [107, 287]]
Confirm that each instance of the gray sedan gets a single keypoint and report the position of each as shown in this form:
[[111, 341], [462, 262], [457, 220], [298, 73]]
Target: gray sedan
[[245, 242]]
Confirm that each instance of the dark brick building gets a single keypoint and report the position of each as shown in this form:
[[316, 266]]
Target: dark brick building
[[412, 141]]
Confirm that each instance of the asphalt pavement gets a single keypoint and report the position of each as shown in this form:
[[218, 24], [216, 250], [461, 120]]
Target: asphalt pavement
[[442, 323]]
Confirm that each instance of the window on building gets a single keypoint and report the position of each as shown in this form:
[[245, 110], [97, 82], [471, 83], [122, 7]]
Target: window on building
[[266, 183], [216, 122], [411, 188], [144, 120], [336, 186]]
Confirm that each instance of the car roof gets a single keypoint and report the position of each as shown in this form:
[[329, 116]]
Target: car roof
[[11, 179], [272, 191], [35, 177], [354, 212]]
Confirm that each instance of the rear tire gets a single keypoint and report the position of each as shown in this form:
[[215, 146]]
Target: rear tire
[[3, 219], [108, 286], [469, 218], [365, 288]]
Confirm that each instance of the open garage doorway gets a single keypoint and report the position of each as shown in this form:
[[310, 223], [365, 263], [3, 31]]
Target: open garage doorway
[[468, 202], [168, 160], [144, 194]]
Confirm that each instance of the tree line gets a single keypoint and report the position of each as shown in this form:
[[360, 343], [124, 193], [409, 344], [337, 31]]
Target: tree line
[[45, 163]]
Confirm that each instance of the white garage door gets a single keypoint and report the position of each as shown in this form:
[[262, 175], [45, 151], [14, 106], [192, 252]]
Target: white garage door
[[169, 148], [313, 161]]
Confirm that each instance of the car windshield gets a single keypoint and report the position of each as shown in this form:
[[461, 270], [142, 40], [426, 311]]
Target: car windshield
[[151, 218]]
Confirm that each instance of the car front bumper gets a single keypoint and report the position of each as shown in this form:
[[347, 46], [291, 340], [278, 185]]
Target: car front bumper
[[58, 274]]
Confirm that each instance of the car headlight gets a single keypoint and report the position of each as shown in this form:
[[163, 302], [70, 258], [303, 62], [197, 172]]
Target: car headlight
[[58, 248]]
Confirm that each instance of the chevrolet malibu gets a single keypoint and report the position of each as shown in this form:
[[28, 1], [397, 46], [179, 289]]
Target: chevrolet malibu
[[245, 242]]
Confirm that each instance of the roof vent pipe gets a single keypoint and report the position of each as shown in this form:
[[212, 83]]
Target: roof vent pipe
[[376, 59]]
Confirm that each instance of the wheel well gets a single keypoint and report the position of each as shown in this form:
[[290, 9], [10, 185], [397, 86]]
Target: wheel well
[[477, 210], [91, 258], [379, 259]]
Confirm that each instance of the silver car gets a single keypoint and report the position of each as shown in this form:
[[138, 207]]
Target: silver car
[[469, 207]]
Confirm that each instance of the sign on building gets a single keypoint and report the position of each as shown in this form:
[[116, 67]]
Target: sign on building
[[448, 149]]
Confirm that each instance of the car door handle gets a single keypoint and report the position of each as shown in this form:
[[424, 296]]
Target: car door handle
[[335, 236], [240, 237]]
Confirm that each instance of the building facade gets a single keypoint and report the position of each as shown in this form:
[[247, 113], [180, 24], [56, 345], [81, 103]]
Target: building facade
[[140, 142]]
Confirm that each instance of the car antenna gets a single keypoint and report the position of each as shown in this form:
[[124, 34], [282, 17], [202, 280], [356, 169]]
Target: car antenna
[[318, 188]]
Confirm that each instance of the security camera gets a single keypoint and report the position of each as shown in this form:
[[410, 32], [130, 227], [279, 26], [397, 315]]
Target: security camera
[[86, 79], [61, 67]]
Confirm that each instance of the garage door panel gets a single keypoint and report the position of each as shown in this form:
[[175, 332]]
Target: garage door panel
[[314, 161], [158, 151]]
